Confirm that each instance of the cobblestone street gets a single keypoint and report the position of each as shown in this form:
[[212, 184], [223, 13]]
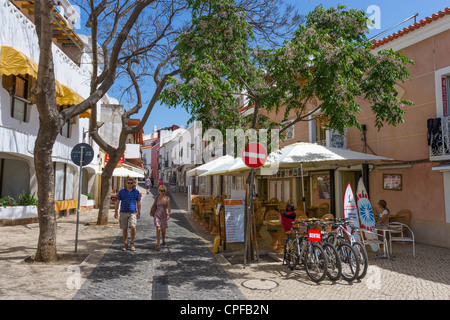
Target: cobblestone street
[[185, 269]]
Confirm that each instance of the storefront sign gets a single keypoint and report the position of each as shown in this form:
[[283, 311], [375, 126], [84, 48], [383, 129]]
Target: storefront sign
[[314, 235], [122, 159], [234, 220]]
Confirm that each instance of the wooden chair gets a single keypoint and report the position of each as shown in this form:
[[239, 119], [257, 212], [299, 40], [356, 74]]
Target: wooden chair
[[273, 200], [272, 215], [327, 216], [324, 219], [206, 213], [259, 221], [403, 216], [301, 218], [281, 206], [274, 228], [323, 208], [214, 222], [198, 209], [300, 213]]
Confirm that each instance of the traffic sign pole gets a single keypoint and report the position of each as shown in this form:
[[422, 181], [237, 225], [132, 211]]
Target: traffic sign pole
[[254, 156], [79, 194], [81, 155], [252, 176]]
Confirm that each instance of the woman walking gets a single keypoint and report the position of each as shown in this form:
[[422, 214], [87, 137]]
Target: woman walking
[[162, 214]]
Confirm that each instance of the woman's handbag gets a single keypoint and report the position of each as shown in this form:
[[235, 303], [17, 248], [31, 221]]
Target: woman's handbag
[[153, 208]]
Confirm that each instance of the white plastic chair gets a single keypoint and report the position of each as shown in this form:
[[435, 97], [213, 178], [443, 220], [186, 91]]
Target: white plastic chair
[[370, 238], [405, 232]]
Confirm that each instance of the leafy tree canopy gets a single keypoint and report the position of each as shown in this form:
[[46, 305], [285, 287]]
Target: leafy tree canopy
[[326, 65]]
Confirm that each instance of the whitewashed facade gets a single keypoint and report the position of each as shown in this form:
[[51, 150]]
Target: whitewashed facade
[[18, 131]]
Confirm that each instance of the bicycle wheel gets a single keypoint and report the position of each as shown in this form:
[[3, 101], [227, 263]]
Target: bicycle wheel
[[334, 262], [330, 238], [363, 259], [316, 263], [291, 255], [349, 261]]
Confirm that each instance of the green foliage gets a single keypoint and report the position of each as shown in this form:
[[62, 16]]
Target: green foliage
[[88, 196], [326, 66], [7, 202], [25, 199]]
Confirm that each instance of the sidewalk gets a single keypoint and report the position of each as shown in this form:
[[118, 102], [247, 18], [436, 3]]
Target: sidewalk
[[187, 269]]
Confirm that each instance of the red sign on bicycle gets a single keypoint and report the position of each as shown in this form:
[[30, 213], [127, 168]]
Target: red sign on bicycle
[[314, 235]]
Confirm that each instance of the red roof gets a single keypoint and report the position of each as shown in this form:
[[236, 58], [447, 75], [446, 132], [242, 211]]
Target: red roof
[[411, 28]]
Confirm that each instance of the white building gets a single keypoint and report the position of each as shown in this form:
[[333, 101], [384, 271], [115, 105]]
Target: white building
[[19, 121]]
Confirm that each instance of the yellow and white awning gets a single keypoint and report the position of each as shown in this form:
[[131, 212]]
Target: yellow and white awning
[[13, 62]]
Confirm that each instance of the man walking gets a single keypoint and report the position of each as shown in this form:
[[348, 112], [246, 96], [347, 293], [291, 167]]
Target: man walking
[[130, 211]]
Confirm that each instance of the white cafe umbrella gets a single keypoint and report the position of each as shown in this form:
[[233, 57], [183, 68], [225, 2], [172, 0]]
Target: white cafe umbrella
[[123, 172], [312, 155], [226, 167], [209, 166]]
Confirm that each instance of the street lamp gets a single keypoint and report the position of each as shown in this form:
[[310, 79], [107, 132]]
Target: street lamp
[[99, 125]]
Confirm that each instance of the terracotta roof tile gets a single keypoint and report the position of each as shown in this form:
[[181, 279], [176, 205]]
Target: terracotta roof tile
[[412, 27]]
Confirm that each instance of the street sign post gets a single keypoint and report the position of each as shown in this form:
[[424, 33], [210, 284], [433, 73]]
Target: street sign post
[[82, 154], [254, 156]]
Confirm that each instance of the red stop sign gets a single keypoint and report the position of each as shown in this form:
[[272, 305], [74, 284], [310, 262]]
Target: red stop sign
[[254, 155]]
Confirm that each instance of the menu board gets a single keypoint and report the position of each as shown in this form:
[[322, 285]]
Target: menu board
[[234, 220]]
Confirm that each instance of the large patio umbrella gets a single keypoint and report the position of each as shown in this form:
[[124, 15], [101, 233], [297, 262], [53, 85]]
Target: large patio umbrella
[[311, 155], [123, 172], [228, 166], [210, 166]]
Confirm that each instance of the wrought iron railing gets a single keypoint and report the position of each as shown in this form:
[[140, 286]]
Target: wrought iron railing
[[439, 136]]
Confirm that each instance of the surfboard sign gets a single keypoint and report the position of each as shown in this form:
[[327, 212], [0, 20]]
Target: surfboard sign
[[365, 208], [351, 209]]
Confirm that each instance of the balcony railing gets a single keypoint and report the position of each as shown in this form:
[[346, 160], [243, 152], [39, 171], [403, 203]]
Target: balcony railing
[[439, 138]]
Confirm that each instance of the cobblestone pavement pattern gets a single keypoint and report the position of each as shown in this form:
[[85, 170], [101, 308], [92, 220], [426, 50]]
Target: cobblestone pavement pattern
[[186, 261], [100, 270]]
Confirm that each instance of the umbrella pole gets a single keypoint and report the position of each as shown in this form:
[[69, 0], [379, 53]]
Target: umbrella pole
[[303, 189], [247, 233]]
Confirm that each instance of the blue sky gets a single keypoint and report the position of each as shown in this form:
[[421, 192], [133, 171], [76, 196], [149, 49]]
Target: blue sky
[[388, 12]]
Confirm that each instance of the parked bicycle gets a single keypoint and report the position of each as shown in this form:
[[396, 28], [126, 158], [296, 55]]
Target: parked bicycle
[[334, 271], [306, 248], [341, 236]]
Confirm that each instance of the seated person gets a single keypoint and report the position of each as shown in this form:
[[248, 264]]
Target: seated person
[[288, 217], [383, 222]]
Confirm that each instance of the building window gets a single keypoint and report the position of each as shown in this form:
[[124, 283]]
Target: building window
[[14, 170], [321, 131], [64, 181], [288, 133], [66, 128], [18, 88]]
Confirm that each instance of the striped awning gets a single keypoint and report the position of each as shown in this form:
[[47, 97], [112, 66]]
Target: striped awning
[[14, 62]]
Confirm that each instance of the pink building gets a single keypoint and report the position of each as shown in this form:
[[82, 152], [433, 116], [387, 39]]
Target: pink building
[[423, 161]]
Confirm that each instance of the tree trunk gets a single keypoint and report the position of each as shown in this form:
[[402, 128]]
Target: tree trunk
[[46, 250], [105, 200]]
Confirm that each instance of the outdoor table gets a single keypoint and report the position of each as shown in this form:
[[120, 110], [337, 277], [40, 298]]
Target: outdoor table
[[386, 254], [277, 236]]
